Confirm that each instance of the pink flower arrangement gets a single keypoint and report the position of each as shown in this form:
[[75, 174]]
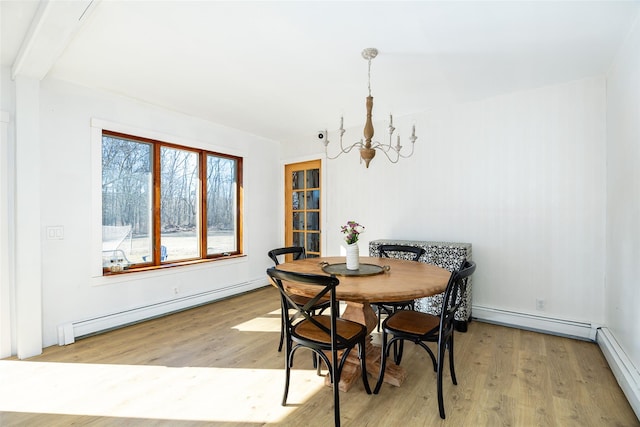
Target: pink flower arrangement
[[352, 232]]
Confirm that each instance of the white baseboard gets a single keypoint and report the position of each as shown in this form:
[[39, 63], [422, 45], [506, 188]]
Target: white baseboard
[[68, 332], [622, 367], [549, 325]]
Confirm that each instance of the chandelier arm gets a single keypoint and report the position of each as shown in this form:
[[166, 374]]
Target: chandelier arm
[[382, 147], [341, 131], [342, 150], [385, 148], [397, 157], [413, 146]]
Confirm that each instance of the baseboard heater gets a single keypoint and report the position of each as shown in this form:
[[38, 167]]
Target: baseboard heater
[[532, 322], [69, 332], [627, 375], [623, 369]]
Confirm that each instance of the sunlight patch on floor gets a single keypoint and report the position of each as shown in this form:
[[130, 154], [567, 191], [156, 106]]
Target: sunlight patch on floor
[[262, 324], [184, 393]]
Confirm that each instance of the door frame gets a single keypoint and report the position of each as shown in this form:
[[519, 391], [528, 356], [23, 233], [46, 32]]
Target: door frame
[[287, 211]]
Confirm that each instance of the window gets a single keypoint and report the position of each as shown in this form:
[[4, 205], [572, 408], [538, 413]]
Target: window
[[165, 204]]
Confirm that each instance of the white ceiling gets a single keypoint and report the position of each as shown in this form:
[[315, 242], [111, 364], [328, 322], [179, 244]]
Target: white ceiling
[[285, 69]]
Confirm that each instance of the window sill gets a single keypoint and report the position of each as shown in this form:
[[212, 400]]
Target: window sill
[[106, 273]]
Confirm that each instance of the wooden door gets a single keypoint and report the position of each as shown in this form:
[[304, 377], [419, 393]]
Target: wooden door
[[302, 206]]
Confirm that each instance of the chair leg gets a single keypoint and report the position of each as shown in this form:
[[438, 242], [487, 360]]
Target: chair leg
[[335, 379], [314, 356], [281, 336], [363, 367], [451, 366], [287, 370], [317, 363], [440, 363], [283, 324], [383, 363], [398, 347]]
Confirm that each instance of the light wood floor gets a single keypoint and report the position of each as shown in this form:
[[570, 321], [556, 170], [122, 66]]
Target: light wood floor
[[218, 365]]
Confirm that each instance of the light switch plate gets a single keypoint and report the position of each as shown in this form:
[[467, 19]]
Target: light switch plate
[[55, 233]]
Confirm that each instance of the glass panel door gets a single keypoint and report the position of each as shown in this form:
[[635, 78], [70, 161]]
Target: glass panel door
[[302, 206]]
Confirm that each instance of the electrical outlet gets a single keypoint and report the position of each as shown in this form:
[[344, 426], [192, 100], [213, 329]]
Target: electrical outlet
[[539, 304], [55, 233]]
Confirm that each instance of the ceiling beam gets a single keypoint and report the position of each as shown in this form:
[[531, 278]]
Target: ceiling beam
[[51, 30]]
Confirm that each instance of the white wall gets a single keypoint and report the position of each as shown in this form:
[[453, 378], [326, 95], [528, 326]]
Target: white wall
[[623, 198], [7, 218], [520, 176], [69, 292], [6, 290]]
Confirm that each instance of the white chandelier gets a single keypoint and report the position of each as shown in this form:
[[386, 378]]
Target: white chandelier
[[368, 148]]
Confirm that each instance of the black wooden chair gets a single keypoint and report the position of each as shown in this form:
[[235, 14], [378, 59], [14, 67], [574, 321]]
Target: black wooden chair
[[422, 327], [412, 253], [322, 334], [298, 252]]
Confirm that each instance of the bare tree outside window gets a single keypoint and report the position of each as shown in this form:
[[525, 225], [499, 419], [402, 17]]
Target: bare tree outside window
[[221, 204], [180, 203], [126, 199]]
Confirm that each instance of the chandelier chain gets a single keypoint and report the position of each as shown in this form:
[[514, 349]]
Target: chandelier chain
[[369, 77]]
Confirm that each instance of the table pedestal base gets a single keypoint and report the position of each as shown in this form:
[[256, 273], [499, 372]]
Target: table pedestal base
[[394, 374]]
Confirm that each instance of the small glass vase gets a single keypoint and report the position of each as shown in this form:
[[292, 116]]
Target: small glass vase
[[353, 256]]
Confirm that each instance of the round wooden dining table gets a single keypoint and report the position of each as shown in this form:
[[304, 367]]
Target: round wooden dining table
[[377, 280]]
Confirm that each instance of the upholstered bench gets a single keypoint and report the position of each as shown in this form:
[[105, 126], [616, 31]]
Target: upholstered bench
[[447, 255]]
